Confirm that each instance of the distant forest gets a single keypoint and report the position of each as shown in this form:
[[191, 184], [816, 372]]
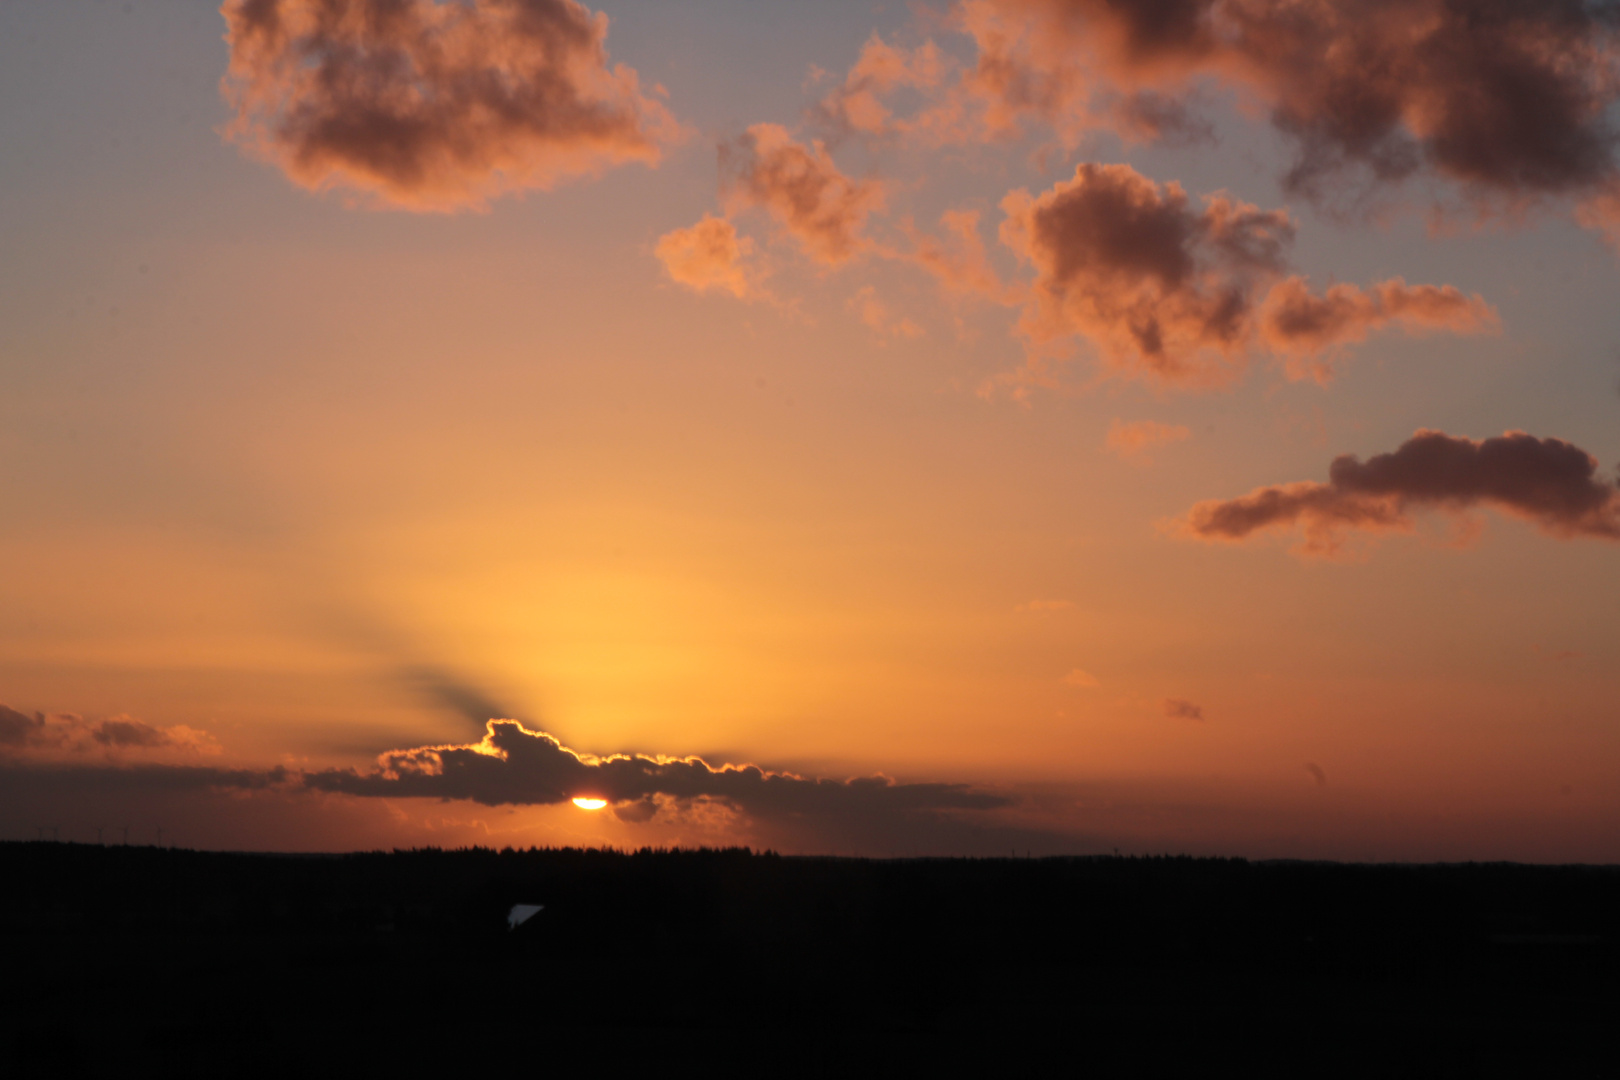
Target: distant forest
[[195, 958]]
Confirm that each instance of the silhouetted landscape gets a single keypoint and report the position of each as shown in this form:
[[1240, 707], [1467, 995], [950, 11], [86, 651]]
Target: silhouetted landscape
[[198, 959]]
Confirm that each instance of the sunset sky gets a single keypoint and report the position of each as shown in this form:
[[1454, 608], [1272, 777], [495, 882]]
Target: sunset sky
[[1036, 425]]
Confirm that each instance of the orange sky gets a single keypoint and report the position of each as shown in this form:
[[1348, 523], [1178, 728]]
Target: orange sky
[[796, 387]]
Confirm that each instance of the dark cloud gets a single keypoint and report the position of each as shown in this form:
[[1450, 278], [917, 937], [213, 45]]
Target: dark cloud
[[434, 106], [516, 766], [1182, 710], [1509, 100], [1548, 482], [1175, 291]]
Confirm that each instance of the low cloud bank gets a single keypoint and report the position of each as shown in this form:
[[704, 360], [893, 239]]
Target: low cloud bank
[[511, 766], [516, 766]]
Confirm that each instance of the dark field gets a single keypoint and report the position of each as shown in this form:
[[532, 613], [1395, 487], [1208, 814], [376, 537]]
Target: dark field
[[210, 963]]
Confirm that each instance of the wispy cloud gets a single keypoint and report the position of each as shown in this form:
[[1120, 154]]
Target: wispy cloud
[[1179, 709], [1133, 441]]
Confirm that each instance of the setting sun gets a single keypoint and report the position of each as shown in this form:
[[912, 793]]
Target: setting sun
[[587, 803]]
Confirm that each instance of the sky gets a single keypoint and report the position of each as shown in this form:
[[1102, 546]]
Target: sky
[[971, 427]]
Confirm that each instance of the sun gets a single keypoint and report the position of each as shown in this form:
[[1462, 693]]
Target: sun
[[585, 802]]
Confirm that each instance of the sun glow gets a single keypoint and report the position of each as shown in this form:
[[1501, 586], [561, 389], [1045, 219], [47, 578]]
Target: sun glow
[[584, 802]]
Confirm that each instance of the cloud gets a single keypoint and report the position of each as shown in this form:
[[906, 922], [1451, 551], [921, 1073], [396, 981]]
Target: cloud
[[516, 766], [857, 105], [16, 729], [1507, 102], [803, 189], [1300, 325], [1132, 441], [1182, 710], [1146, 116], [1506, 99], [1172, 292], [1081, 678], [1317, 773], [1046, 605], [1155, 284], [1548, 482], [1600, 212], [1077, 65], [709, 256], [875, 315], [434, 106], [958, 261], [62, 735]]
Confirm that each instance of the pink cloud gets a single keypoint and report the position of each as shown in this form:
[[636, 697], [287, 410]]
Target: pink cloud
[[709, 256], [803, 189], [858, 105], [876, 316]]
